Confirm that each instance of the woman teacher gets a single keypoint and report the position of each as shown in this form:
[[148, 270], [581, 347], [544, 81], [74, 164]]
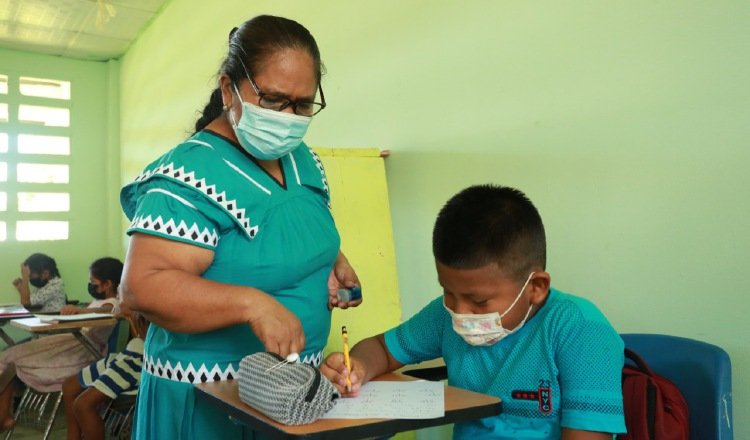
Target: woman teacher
[[232, 238]]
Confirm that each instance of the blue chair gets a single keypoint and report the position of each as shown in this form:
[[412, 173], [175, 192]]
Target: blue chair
[[119, 337], [701, 371]]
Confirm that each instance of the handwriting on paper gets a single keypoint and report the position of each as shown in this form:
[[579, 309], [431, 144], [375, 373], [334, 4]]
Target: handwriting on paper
[[418, 399]]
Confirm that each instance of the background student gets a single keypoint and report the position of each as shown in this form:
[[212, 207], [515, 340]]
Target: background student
[[45, 363], [40, 284], [552, 357], [118, 373]]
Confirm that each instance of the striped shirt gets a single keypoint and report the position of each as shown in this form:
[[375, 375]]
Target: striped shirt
[[116, 374]]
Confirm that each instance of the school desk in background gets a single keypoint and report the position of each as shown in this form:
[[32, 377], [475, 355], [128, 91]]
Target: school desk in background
[[8, 312], [73, 324]]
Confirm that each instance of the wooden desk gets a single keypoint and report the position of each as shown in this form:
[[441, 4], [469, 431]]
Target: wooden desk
[[460, 405], [37, 327]]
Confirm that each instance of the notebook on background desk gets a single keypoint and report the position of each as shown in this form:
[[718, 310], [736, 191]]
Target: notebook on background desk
[[47, 319], [13, 310], [43, 323]]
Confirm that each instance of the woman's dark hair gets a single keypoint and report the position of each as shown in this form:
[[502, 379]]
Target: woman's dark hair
[[489, 223], [250, 46], [107, 269], [39, 263]]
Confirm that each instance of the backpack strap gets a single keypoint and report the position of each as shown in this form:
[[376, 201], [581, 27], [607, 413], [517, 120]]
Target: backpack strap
[[642, 366], [638, 361]]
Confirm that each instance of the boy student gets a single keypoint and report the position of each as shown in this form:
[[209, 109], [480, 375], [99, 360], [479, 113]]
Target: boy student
[[552, 357]]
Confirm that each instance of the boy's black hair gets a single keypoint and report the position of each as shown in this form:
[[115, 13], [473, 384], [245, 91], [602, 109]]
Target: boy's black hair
[[107, 269], [38, 263], [490, 223]]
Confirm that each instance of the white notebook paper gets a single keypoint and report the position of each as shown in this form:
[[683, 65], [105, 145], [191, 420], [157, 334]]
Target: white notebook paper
[[415, 399]]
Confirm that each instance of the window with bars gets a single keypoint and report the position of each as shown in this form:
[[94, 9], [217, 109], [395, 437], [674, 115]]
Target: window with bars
[[34, 158]]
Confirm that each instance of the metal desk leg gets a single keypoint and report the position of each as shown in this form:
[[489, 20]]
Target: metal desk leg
[[8, 340], [86, 343]]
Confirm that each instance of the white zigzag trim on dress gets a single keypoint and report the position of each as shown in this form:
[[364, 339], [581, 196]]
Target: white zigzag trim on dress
[[202, 374], [187, 374], [179, 230], [188, 177], [313, 359], [319, 164]]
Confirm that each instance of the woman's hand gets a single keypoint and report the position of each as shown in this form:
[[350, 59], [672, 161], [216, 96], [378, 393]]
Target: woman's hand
[[342, 275], [278, 329], [162, 280], [335, 370], [70, 310]]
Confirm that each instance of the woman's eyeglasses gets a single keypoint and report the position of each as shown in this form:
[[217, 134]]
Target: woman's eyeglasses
[[279, 102]]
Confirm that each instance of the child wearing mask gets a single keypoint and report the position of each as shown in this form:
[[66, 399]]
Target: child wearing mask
[[45, 363], [104, 380], [553, 358], [40, 285]]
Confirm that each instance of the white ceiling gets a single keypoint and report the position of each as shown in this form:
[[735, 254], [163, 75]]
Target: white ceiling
[[85, 29]]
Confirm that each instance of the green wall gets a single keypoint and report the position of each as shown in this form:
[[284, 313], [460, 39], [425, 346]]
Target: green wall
[[94, 228], [625, 122]]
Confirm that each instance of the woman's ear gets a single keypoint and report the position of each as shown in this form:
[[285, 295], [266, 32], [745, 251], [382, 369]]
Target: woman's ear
[[539, 286], [227, 91], [109, 288]]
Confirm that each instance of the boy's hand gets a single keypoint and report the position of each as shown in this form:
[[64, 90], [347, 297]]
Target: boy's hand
[[335, 370]]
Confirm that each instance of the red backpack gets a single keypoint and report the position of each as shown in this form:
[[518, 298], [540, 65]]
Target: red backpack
[[654, 407]]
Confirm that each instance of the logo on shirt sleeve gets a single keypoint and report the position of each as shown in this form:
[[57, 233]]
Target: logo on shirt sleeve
[[542, 395]]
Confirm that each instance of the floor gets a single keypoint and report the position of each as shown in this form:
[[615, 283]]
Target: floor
[[27, 433], [26, 430]]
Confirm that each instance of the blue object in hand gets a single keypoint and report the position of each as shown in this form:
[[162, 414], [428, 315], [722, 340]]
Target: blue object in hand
[[346, 295]]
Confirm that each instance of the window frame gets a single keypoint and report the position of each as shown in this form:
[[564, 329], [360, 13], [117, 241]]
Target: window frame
[[12, 157]]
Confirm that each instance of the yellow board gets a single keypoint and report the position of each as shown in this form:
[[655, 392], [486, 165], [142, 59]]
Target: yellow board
[[359, 200]]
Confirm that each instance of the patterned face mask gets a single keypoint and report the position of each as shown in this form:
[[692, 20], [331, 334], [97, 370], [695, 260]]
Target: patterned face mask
[[487, 328]]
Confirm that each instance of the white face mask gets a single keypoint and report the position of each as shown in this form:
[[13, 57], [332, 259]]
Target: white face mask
[[487, 328], [268, 134]]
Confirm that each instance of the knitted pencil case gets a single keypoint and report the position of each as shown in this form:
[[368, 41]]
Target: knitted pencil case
[[290, 393]]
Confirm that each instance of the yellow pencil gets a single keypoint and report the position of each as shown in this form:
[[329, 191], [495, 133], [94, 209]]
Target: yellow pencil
[[347, 361]]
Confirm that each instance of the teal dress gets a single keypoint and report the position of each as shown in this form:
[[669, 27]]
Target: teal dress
[[279, 238]]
